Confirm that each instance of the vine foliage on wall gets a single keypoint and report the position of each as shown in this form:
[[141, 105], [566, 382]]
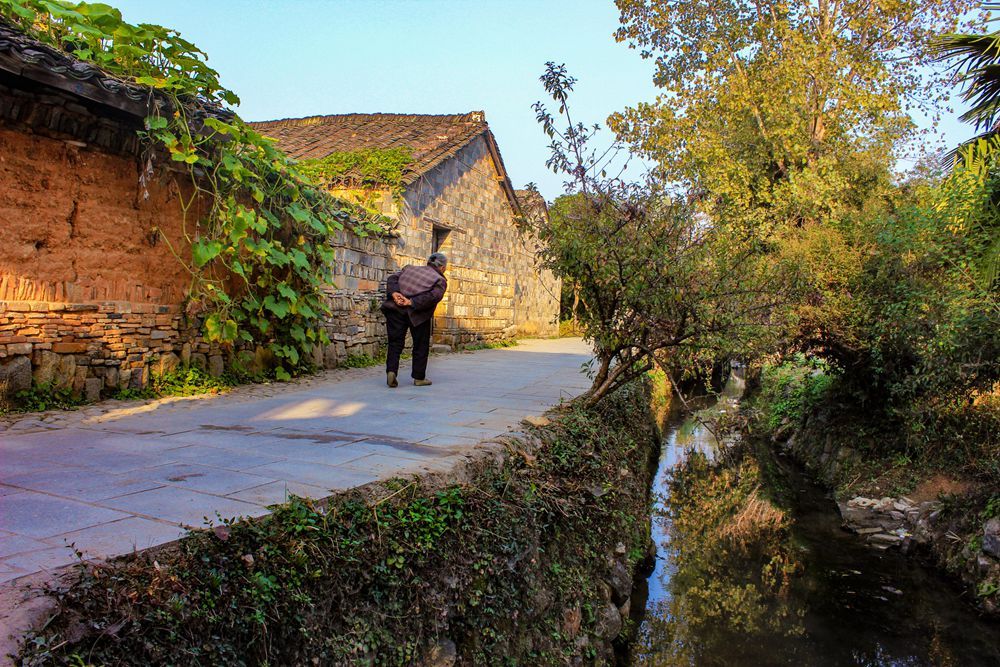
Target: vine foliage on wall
[[259, 228], [368, 167], [362, 176]]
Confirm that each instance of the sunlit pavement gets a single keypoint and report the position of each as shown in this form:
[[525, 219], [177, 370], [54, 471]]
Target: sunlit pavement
[[109, 487]]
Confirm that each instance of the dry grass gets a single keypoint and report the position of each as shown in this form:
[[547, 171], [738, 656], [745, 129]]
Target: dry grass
[[5, 403], [755, 518]]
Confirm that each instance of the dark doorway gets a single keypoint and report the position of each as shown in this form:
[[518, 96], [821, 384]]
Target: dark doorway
[[440, 239]]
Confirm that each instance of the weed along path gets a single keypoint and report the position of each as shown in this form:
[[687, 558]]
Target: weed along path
[[108, 482]]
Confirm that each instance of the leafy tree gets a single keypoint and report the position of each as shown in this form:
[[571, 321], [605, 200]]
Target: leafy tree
[[658, 285], [776, 111]]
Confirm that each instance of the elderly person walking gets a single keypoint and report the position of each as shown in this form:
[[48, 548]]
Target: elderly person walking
[[412, 294]]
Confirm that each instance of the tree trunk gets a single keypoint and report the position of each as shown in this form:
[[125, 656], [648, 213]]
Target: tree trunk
[[576, 303]]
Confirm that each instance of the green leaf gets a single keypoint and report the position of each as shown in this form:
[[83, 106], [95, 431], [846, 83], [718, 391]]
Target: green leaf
[[213, 327], [240, 223], [22, 11], [86, 30], [204, 251], [276, 257], [281, 374], [298, 213], [279, 308], [153, 81], [302, 308], [218, 125], [230, 162], [155, 122], [299, 258]]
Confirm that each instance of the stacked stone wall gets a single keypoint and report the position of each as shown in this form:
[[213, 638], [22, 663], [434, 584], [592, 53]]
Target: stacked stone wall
[[536, 291], [96, 348], [356, 325]]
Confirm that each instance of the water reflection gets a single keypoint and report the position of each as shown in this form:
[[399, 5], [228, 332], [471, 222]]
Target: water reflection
[[753, 569]]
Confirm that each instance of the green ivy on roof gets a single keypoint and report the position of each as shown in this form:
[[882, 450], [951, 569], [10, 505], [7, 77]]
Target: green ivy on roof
[[368, 167]]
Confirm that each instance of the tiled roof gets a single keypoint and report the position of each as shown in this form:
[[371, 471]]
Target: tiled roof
[[432, 138], [29, 58]]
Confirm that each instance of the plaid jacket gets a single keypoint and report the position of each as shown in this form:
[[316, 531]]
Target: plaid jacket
[[422, 288]]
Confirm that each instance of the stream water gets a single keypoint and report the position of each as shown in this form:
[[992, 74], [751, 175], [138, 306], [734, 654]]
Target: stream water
[[848, 604]]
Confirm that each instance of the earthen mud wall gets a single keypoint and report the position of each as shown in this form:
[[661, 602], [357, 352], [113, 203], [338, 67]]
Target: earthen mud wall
[[90, 289]]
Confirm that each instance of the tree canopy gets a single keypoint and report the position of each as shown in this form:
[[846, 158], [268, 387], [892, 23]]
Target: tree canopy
[[660, 285], [776, 110]]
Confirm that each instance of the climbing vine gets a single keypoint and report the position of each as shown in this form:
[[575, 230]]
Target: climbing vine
[[368, 167], [258, 227], [363, 175]]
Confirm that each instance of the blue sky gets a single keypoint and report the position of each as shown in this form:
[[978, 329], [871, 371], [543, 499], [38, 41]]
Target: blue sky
[[306, 57]]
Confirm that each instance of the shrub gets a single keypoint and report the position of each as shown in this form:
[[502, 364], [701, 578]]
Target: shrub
[[46, 396], [491, 563], [189, 381], [363, 360], [791, 389]]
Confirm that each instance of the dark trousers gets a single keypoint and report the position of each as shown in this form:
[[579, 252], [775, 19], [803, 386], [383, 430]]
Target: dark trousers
[[397, 324]]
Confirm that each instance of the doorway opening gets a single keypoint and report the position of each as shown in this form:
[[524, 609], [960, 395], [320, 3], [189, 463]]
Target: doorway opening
[[440, 239]]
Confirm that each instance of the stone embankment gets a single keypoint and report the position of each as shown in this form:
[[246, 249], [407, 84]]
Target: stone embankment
[[968, 547], [903, 523], [888, 522]]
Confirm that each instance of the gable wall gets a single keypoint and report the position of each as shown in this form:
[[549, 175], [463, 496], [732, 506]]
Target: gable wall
[[494, 292]]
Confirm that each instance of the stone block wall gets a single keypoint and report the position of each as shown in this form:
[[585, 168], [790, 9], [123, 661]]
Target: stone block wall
[[356, 325], [536, 293], [96, 348]]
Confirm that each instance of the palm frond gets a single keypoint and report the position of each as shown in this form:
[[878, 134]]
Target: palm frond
[[988, 269], [975, 51], [978, 66]]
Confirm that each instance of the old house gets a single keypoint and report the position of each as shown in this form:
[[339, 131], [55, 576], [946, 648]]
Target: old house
[[453, 195], [92, 292]]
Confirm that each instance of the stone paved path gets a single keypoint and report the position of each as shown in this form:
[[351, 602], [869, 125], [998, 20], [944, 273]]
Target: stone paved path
[[110, 484]]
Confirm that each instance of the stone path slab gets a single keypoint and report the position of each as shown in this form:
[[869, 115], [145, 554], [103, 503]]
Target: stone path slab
[[109, 483]]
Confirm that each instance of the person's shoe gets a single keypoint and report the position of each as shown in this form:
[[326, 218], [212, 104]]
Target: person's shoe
[[390, 379], [422, 383]]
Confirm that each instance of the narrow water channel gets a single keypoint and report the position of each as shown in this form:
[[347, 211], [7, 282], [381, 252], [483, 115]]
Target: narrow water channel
[[844, 604]]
